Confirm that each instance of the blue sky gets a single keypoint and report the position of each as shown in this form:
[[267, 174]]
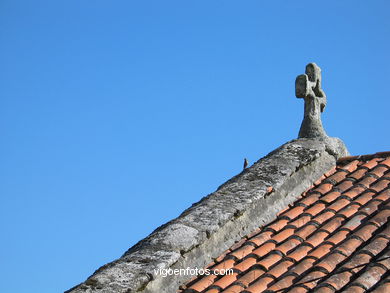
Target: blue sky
[[115, 116]]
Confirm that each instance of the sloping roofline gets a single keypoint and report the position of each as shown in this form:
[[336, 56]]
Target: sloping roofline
[[246, 201], [212, 225], [335, 237]]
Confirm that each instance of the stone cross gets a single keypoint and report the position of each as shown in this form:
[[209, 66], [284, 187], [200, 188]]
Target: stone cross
[[308, 87]]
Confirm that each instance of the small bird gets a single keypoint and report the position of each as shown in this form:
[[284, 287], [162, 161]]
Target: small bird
[[245, 163]]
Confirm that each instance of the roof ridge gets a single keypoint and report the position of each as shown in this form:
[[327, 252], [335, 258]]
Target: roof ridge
[[209, 227], [336, 228]]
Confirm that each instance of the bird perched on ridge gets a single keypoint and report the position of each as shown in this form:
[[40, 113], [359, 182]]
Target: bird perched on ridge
[[245, 163]]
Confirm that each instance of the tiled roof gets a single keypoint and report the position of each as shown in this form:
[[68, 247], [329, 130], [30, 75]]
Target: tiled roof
[[335, 237]]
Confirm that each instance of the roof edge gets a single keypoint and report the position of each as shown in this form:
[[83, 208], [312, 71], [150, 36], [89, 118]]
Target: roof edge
[[209, 227]]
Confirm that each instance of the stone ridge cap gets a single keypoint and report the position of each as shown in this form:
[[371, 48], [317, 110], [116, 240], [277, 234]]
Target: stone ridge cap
[[332, 145], [242, 176], [200, 232], [347, 159]]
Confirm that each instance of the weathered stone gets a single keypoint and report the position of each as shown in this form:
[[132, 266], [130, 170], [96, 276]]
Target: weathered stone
[[210, 226], [308, 87], [177, 237]]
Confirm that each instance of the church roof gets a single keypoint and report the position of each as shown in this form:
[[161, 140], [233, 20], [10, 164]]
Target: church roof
[[304, 217], [335, 236]]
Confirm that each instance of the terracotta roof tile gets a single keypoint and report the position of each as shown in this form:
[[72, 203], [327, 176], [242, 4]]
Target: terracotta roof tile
[[332, 224], [283, 235], [311, 279], [203, 283], [300, 252], [299, 289], [349, 211], [386, 162], [367, 181], [371, 163], [384, 195], [233, 289], [315, 209], [213, 290], [278, 225], [264, 249], [317, 238], [282, 284], [331, 196], [325, 290], [369, 278], [332, 260], [261, 238], [339, 204], [260, 285], [380, 185], [323, 217], [310, 199], [358, 174], [269, 261], [351, 166], [243, 251], [226, 280], [281, 268], [246, 264], [354, 192], [288, 245], [379, 170], [383, 288], [303, 266], [354, 289], [226, 264], [330, 172], [251, 276], [293, 213], [302, 220], [364, 197], [319, 181], [348, 185], [336, 237], [324, 188], [337, 281], [320, 251]]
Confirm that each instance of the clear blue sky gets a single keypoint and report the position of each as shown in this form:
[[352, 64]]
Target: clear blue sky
[[115, 116]]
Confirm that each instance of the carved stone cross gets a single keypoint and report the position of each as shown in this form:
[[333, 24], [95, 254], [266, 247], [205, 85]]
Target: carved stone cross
[[308, 87]]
